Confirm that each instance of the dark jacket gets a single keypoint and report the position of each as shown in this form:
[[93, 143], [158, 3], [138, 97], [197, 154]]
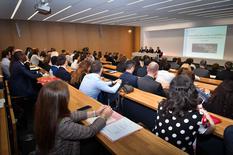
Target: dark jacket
[[121, 67], [21, 80], [225, 75], [148, 84], [63, 74], [128, 78], [141, 72], [202, 72]]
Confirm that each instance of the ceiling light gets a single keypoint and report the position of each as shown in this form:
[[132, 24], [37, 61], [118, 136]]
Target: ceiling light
[[201, 5], [219, 15], [57, 13], [16, 8], [32, 15], [102, 17], [110, 1], [125, 19], [170, 6], [135, 2], [216, 13], [146, 6], [90, 15], [201, 12], [74, 14], [114, 18]]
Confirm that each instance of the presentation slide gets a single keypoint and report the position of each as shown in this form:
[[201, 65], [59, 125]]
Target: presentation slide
[[205, 42]]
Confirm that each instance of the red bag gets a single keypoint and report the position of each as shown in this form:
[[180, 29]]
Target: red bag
[[214, 118]]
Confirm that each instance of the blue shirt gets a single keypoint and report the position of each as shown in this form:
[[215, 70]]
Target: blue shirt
[[128, 78], [92, 85]]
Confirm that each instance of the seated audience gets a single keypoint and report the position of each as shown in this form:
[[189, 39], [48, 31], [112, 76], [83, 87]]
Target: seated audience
[[228, 140], [162, 63], [61, 132], [137, 65], [77, 76], [215, 68], [53, 52], [225, 74], [164, 76], [21, 79], [179, 117], [54, 67], [151, 50], [141, 50], [45, 63], [74, 65], [141, 72], [28, 52], [127, 77], [121, 65], [159, 52], [5, 64], [148, 83], [221, 100], [92, 84], [202, 71], [190, 62], [35, 59], [174, 64], [62, 73]]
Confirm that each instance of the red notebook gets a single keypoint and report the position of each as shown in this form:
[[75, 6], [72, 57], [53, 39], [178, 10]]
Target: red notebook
[[44, 80], [214, 118]]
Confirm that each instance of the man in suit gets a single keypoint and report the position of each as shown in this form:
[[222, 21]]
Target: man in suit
[[21, 79], [202, 71], [127, 77], [151, 50], [159, 52], [143, 70], [148, 83], [226, 74], [62, 72]]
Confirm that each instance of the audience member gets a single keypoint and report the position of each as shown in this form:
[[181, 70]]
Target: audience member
[[228, 140], [190, 62], [141, 72], [202, 71], [54, 67], [178, 117], [5, 64], [62, 73], [225, 74], [92, 84], [151, 50], [148, 83], [45, 63], [74, 65], [221, 99], [127, 77], [137, 64], [121, 65], [61, 132], [78, 75], [35, 59], [28, 52], [174, 64]]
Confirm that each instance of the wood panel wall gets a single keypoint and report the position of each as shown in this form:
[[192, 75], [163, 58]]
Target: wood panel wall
[[69, 36]]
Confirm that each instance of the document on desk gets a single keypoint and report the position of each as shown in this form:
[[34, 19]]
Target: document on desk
[[117, 126], [120, 129]]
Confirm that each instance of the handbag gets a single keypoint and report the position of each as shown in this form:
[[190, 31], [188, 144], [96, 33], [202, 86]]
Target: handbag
[[127, 89]]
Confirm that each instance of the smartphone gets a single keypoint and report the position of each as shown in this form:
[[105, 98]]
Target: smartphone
[[84, 108]]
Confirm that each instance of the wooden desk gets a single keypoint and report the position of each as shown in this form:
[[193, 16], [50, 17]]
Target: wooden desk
[[116, 75], [110, 67], [140, 142], [151, 101], [4, 134], [105, 62], [210, 81]]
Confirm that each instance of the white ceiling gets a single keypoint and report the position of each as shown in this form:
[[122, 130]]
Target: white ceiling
[[122, 12]]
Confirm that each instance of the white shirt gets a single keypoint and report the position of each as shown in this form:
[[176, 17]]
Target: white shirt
[[6, 66], [74, 65], [54, 53], [164, 77], [35, 59]]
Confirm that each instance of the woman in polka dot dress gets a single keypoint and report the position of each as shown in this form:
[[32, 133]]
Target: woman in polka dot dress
[[178, 117]]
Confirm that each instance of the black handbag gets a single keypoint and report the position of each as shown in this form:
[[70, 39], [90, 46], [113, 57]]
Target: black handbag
[[127, 89]]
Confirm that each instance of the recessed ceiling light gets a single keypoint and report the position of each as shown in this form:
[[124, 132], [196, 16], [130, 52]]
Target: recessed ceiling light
[[125, 19], [201, 5], [216, 13], [170, 6], [114, 18], [32, 15], [74, 14], [57, 13], [16, 8], [102, 17], [135, 2], [89, 15], [146, 6], [207, 11]]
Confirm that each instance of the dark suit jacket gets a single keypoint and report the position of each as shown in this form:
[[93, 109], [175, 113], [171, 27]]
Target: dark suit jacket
[[128, 78], [148, 84], [202, 72], [225, 75], [63, 74], [142, 71], [174, 65], [21, 80], [121, 67]]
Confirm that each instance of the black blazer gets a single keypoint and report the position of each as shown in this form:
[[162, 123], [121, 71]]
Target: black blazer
[[225, 75], [148, 84], [142, 71], [128, 78], [21, 80], [63, 74]]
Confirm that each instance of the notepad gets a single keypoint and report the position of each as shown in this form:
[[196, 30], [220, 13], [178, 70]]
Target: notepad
[[117, 127], [111, 71]]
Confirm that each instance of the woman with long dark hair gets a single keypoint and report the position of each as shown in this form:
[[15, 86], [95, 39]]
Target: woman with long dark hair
[[221, 101], [178, 116], [56, 129]]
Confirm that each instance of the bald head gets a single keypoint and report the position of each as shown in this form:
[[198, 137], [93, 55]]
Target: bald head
[[152, 68]]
